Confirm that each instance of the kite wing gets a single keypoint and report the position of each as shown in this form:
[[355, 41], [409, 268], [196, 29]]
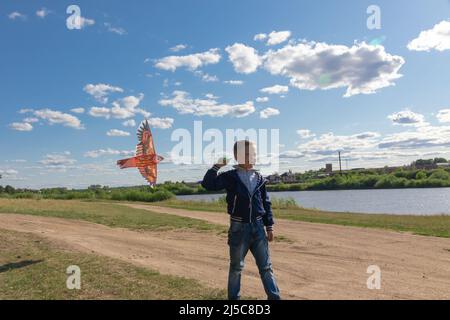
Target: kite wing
[[146, 147]]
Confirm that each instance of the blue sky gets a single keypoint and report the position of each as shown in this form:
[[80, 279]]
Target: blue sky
[[381, 96]]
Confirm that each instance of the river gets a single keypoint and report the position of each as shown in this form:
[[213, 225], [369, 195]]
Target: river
[[426, 201]]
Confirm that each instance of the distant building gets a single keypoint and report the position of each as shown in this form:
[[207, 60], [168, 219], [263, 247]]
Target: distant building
[[429, 164], [425, 166], [274, 178], [329, 168], [288, 177]]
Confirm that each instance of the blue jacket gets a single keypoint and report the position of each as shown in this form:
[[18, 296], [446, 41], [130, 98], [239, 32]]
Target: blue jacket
[[241, 205]]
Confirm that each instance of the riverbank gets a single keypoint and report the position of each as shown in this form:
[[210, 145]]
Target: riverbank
[[358, 179], [434, 225], [112, 214]]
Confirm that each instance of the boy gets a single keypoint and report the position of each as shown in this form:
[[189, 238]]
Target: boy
[[250, 209]]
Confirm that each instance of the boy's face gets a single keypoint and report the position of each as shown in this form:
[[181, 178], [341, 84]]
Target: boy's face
[[246, 155]]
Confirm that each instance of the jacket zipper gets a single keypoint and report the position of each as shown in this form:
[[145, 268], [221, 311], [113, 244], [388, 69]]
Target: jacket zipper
[[234, 204], [250, 207], [251, 197]]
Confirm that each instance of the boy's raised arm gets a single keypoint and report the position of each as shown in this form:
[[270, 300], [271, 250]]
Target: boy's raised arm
[[213, 181]]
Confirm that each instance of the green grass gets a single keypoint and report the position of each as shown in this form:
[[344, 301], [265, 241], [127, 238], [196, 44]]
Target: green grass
[[281, 238], [109, 214], [33, 268], [142, 194], [220, 203], [436, 225]]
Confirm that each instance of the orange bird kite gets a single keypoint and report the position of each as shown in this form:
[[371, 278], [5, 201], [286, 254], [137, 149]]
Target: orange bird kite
[[146, 159]]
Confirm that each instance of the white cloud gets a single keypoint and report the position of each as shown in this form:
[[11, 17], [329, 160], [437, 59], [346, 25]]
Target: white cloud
[[437, 38], [128, 107], [22, 111], [191, 62], [361, 68], [57, 160], [31, 120], [161, 123], [100, 112], [117, 133], [278, 37], [273, 38], [130, 102], [21, 126], [422, 137], [16, 15], [371, 155], [184, 104], [124, 108], [86, 22], [210, 78], [291, 154], [57, 117], [51, 116], [262, 99], [366, 135], [42, 13], [407, 118], [129, 123], [443, 115], [268, 112], [207, 77], [368, 146], [8, 172], [276, 89], [121, 113], [328, 143], [260, 37], [77, 110], [101, 91], [178, 47], [244, 59], [117, 30], [211, 96], [234, 82], [107, 152], [305, 133]]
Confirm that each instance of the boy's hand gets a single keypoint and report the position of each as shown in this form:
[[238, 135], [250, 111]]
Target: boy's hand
[[270, 235], [222, 162]]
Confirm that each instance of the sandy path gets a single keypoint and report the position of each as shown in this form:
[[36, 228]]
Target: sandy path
[[322, 262]]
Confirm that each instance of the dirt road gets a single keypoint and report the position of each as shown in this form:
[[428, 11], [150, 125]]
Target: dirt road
[[321, 261]]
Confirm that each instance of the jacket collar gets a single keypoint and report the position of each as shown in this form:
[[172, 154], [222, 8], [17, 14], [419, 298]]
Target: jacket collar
[[261, 179], [237, 167]]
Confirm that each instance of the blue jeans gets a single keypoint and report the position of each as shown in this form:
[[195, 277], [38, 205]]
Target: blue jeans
[[241, 238]]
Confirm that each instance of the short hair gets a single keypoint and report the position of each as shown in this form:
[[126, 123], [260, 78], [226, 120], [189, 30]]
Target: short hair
[[246, 143]]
